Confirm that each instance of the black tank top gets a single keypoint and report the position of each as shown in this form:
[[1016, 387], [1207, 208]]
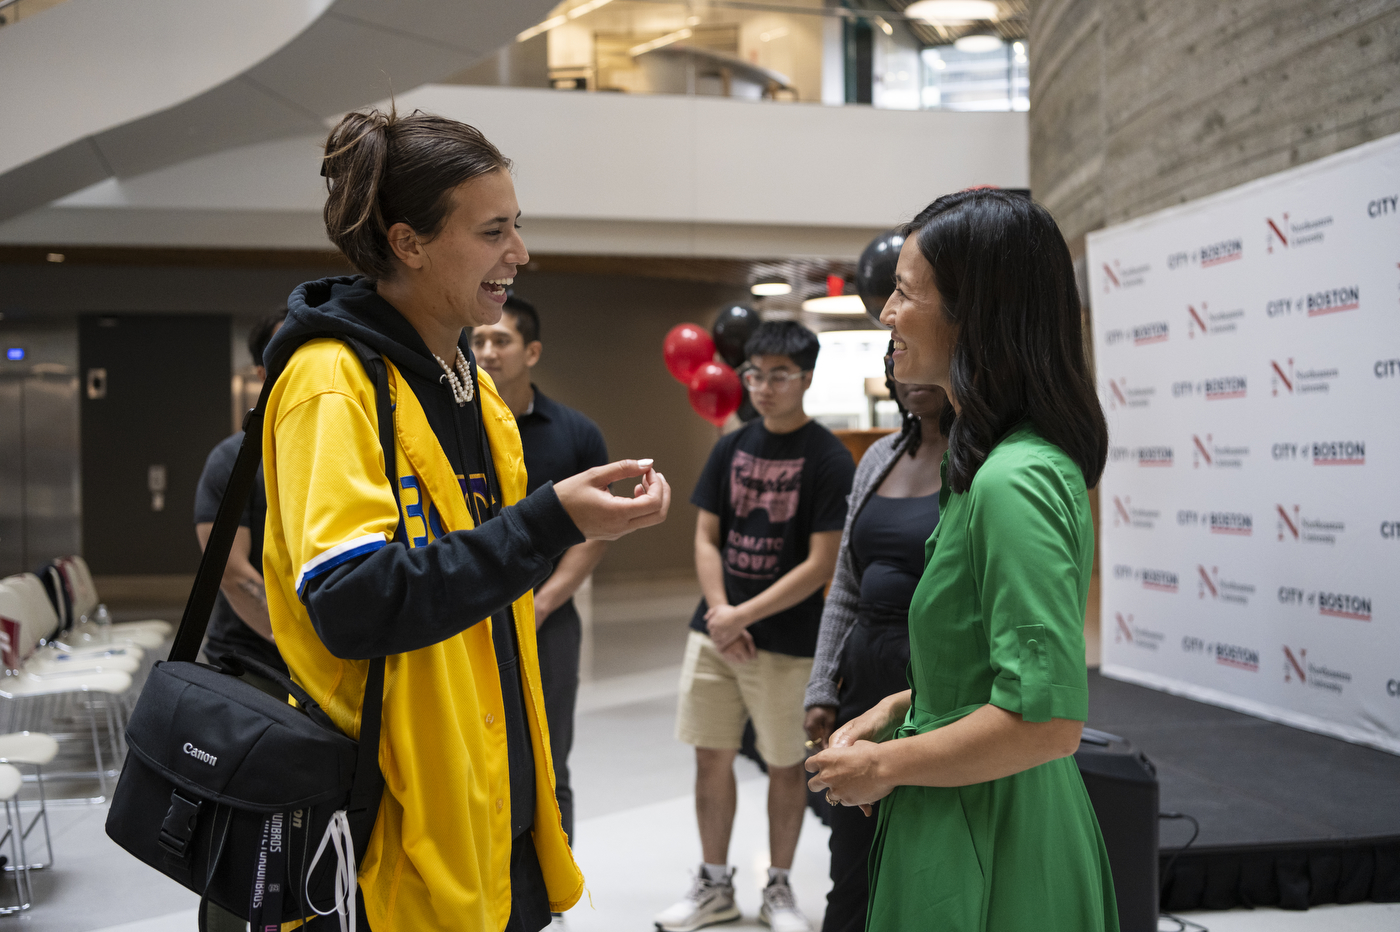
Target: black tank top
[[887, 541]]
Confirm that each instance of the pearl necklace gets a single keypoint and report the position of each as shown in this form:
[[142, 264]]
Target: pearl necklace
[[463, 389]]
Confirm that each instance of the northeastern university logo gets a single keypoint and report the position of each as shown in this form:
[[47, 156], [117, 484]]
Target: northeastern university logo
[[1295, 526], [1210, 584], [1127, 631], [1302, 380], [1205, 451], [1283, 232], [1121, 395], [1297, 668], [1126, 514], [1201, 319], [1117, 276]]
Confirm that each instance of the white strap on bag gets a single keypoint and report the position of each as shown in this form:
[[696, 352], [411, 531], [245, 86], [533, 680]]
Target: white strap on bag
[[338, 836]]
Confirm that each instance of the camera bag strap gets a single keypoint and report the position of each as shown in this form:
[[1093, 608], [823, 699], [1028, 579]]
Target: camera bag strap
[[368, 785]]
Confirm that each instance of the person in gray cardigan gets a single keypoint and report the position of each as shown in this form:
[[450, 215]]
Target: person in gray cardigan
[[863, 644]]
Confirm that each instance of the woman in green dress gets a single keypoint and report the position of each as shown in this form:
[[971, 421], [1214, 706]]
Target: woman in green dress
[[986, 826]]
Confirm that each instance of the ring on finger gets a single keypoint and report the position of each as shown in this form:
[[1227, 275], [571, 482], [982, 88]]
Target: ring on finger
[[832, 800]]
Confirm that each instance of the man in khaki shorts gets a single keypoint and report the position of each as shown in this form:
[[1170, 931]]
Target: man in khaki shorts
[[772, 503]]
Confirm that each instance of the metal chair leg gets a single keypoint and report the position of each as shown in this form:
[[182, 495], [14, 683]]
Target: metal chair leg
[[24, 891]]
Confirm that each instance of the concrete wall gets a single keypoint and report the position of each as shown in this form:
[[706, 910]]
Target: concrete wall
[[1138, 105]]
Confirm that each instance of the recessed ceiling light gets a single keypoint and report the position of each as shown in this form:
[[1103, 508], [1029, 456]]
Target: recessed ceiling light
[[952, 12], [769, 288], [845, 305], [978, 43], [55, 257]]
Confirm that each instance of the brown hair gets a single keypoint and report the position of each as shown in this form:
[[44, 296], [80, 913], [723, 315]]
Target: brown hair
[[382, 169]]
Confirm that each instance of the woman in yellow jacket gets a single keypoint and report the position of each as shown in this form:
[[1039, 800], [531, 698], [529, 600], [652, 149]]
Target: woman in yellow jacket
[[468, 834]]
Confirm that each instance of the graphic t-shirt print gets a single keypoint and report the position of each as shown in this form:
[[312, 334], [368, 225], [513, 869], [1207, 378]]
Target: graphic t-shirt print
[[754, 545]]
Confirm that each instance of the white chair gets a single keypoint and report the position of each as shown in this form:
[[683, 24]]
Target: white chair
[[10, 782], [82, 592], [33, 749], [26, 616]]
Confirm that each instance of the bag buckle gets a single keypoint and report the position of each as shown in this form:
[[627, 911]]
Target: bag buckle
[[177, 831]]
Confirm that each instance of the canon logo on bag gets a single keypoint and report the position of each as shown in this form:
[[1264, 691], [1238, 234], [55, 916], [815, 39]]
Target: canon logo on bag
[[201, 756]]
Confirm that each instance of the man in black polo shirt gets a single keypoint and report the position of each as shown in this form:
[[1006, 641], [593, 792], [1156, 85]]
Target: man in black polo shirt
[[239, 622], [558, 442]]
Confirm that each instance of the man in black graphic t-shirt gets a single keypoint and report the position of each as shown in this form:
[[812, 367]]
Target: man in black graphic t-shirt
[[772, 502]]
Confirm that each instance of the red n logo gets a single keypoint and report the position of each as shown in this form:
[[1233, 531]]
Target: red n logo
[[1197, 319], [1125, 629], [1295, 665], [1286, 523], [1208, 584]]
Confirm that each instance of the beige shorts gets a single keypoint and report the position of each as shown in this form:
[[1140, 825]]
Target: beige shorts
[[717, 697]]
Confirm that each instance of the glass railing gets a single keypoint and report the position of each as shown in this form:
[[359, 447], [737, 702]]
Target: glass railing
[[889, 54]]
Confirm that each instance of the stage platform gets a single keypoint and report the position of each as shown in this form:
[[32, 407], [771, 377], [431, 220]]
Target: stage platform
[[1287, 817]]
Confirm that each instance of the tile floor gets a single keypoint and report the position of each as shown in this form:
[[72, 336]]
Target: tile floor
[[635, 834]]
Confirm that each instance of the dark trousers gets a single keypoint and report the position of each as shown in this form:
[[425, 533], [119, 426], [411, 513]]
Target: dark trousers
[[873, 665], [559, 639]]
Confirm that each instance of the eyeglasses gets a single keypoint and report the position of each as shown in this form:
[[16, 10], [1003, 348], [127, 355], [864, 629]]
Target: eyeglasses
[[778, 378]]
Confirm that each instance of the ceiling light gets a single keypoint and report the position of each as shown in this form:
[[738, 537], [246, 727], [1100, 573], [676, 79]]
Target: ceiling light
[[977, 43], [770, 288], [885, 27], [586, 8], [952, 12], [844, 305], [55, 257], [545, 26], [662, 42]]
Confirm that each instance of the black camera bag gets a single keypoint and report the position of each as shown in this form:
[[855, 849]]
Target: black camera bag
[[260, 806]]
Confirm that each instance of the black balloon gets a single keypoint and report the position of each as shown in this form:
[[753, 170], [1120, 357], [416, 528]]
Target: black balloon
[[875, 271], [732, 330]]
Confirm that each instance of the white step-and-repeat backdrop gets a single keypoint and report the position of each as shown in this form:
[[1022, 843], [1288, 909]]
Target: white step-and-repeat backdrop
[[1248, 355]]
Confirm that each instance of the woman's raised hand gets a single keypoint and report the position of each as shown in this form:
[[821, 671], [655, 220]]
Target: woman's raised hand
[[601, 515]]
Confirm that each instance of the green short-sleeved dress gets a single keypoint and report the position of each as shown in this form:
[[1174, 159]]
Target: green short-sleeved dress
[[999, 617]]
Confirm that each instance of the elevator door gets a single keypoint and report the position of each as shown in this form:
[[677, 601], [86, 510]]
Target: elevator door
[[39, 480], [155, 401]]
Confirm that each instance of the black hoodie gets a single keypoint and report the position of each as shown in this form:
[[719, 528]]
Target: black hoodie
[[398, 599]]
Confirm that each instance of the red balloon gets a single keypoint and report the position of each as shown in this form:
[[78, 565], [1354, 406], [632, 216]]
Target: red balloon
[[686, 348], [715, 392]]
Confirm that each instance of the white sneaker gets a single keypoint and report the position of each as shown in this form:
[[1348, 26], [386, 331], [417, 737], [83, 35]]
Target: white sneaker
[[779, 911], [709, 902]]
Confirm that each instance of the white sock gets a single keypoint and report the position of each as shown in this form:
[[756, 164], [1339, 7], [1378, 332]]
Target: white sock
[[716, 872], [777, 873]]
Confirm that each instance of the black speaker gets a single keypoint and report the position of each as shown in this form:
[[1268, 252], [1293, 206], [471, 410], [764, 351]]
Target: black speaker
[[1122, 785]]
